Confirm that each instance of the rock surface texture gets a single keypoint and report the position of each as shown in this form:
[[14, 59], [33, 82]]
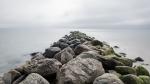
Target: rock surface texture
[[34, 78], [78, 59]]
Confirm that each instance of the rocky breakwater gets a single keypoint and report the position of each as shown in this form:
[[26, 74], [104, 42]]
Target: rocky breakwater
[[77, 59]]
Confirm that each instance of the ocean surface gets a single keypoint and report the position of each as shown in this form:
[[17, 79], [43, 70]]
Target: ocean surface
[[17, 43]]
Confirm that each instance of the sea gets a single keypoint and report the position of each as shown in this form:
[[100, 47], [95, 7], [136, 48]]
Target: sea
[[16, 44]]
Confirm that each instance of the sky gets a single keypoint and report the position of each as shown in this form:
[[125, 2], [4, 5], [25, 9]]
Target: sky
[[74, 13]]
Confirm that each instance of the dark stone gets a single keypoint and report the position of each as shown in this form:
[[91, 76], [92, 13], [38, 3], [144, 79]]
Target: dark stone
[[34, 53], [65, 55], [50, 52], [81, 48], [61, 45], [116, 46], [97, 42], [11, 76], [38, 55], [21, 78], [139, 59]]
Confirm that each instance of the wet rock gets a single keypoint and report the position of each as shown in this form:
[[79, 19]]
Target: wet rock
[[107, 78], [19, 69], [21, 78], [50, 52], [116, 46], [139, 59], [125, 61], [80, 35], [74, 41], [61, 45], [114, 72], [131, 79], [10, 76], [38, 56], [142, 71], [107, 49], [65, 55], [80, 71], [81, 48], [34, 53], [124, 70], [146, 79], [43, 67], [34, 78], [63, 40], [108, 62], [96, 42]]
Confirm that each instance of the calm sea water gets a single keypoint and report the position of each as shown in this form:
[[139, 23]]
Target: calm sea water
[[17, 43]]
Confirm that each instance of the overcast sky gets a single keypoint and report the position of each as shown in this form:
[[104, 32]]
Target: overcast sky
[[74, 13]]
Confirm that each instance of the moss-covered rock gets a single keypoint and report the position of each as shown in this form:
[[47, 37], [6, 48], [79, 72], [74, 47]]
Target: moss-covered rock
[[131, 79], [146, 79], [125, 61], [97, 42], [107, 49], [142, 71], [124, 70]]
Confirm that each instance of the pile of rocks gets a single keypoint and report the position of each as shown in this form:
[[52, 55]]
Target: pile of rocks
[[77, 59]]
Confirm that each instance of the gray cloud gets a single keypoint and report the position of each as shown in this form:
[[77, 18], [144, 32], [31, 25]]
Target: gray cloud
[[78, 13]]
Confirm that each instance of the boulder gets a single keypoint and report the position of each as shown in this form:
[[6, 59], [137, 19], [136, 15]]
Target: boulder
[[131, 79], [142, 71], [61, 45], [34, 78], [11, 76], [81, 48], [80, 35], [80, 71], [107, 49], [138, 59], [50, 52], [38, 56], [125, 61], [65, 55], [107, 62], [43, 67], [146, 79], [107, 78], [110, 63], [18, 80], [97, 42], [124, 70], [115, 73]]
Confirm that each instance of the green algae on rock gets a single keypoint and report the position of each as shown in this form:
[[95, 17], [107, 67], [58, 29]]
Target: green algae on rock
[[142, 71], [124, 70], [131, 79], [146, 79]]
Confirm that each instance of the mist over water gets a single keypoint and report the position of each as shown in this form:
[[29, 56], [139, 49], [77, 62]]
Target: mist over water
[[17, 43]]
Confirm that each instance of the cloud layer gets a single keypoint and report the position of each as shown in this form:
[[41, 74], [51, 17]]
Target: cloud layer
[[74, 13]]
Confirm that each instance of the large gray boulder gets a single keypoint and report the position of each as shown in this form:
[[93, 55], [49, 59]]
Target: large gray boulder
[[107, 78], [50, 52], [65, 55], [34, 78], [80, 71], [38, 56], [43, 67], [81, 48], [11, 76]]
